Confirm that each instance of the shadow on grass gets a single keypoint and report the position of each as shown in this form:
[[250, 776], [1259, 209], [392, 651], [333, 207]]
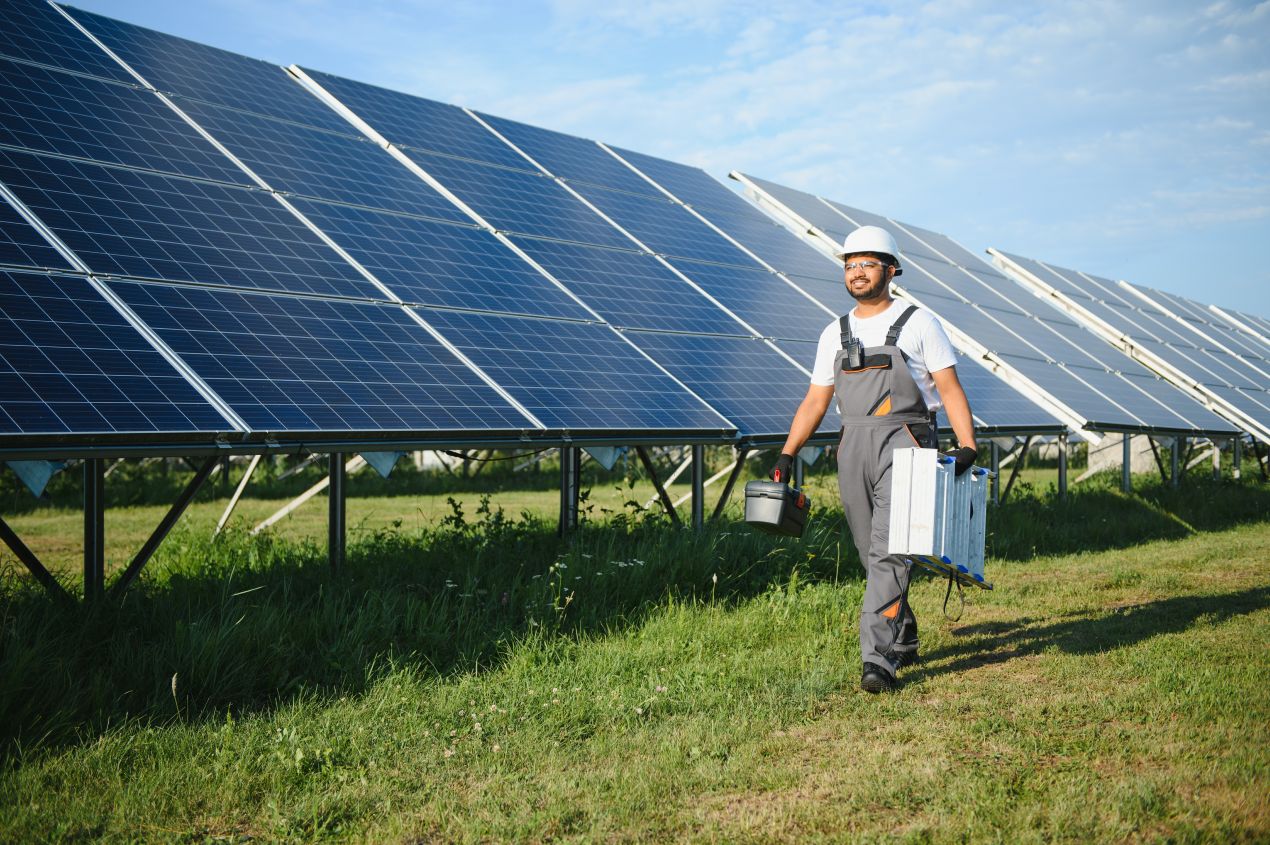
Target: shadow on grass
[[1085, 634], [246, 624]]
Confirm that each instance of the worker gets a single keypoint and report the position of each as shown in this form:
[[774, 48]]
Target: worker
[[892, 367]]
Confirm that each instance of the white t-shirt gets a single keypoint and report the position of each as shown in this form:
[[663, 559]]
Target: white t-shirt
[[923, 340]]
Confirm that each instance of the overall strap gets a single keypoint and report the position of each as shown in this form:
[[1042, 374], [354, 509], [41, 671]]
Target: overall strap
[[844, 323], [893, 334]]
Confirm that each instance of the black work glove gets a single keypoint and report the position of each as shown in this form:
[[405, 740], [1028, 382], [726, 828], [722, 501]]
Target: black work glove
[[784, 469], [965, 458]]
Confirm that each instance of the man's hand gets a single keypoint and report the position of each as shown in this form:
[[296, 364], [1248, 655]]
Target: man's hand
[[965, 458], [784, 469]]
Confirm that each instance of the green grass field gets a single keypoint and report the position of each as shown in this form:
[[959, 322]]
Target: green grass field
[[478, 679]]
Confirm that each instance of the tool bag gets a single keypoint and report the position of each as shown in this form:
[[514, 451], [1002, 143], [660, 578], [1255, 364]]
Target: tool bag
[[776, 507]]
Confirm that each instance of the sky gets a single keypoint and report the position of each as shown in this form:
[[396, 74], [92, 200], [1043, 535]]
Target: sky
[[1130, 140]]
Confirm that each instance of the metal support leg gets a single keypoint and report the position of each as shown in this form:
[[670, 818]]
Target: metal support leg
[[1216, 461], [336, 521], [698, 487], [1018, 465], [737, 469], [1126, 463], [996, 473], [1175, 455], [570, 467], [94, 529], [661, 490], [800, 470], [174, 513], [1237, 457], [32, 563], [1062, 465]]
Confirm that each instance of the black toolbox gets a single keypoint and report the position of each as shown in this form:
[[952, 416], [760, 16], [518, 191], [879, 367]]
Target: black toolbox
[[776, 507]]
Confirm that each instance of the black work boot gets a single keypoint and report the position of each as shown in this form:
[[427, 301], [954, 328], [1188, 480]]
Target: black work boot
[[876, 679], [903, 658]]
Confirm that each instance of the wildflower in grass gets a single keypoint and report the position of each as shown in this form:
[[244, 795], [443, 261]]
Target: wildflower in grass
[[493, 708], [449, 752], [639, 711], [659, 688], [497, 748]]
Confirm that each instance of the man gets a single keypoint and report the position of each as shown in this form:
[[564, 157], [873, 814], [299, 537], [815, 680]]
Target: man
[[892, 368]]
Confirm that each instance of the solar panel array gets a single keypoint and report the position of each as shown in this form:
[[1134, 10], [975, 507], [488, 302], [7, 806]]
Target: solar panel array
[[1044, 352], [1225, 368], [193, 245]]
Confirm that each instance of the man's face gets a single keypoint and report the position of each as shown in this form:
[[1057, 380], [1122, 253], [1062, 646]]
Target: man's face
[[866, 283]]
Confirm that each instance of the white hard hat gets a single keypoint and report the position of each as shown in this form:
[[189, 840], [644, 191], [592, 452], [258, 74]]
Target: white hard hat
[[872, 239]]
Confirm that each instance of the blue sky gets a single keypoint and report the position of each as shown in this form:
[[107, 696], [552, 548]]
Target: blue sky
[[1129, 140]]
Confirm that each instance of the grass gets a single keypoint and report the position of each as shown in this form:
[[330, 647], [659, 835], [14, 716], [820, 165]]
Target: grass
[[478, 679]]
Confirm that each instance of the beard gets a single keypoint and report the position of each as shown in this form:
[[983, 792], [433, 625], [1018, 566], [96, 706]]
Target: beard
[[873, 291]]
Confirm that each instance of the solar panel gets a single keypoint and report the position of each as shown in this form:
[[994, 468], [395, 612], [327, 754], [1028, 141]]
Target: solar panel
[[665, 226], [317, 163], [519, 201], [434, 263], [571, 158], [22, 246], [1250, 323], [50, 111], [298, 364], [741, 377], [1226, 375], [420, 123], [36, 32], [994, 402], [132, 223], [807, 206], [762, 299], [71, 364], [575, 376], [691, 185], [775, 245], [629, 288], [175, 65]]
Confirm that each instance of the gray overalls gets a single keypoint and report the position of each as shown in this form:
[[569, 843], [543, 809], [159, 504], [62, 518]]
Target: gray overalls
[[882, 409]]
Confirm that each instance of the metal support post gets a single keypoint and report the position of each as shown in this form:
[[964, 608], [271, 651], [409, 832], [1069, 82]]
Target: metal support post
[[570, 468], [1062, 465], [737, 469], [800, 469], [1126, 463], [32, 563], [94, 529], [698, 487], [661, 490], [1216, 461], [1175, 455], [1237, 457], [174, 513], [996, 473], [336, 520]]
